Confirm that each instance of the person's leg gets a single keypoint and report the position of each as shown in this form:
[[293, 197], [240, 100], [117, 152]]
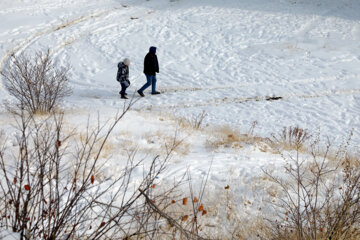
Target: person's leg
[[147, 84], [153, 84], [123, 89]]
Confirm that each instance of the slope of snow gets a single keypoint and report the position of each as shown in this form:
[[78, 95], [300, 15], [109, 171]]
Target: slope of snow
[[219, 56]]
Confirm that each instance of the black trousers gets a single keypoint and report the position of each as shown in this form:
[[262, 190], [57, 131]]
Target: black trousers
[[123, 89]]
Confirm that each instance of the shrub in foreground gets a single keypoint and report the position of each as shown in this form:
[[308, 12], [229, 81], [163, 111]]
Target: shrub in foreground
[[52, 187], [35, 82]]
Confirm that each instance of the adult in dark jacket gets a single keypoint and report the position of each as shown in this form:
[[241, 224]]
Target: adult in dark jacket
[[151, 67], [123, 76]]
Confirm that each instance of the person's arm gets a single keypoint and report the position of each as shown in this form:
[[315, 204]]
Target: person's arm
[[146, 64], [118, 75], [127, 74], [157, 64]]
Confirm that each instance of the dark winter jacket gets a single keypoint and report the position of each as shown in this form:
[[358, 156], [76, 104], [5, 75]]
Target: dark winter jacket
[[123, 73], [151, 64]]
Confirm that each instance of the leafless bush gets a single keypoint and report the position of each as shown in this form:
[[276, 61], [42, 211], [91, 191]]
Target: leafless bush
[[50, 189], [251, 129], [194, 123], [181, 213], [291, 138], [36, 84], [317, 198], [198, 120]]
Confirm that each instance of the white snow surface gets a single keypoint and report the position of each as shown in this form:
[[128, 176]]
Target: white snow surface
[[224, 57], [217, 56]]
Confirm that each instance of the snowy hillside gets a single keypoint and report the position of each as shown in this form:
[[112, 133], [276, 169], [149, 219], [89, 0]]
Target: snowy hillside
[[278, 63], [224, 57]]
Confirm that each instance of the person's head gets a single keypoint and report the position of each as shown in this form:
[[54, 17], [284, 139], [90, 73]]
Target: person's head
[[152, 50], [126, 61]]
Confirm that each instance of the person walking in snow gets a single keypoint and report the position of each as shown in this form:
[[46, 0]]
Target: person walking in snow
[[151, 67], [123, 77]]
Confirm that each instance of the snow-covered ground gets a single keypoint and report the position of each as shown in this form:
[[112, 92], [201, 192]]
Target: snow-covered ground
[[224, 57]]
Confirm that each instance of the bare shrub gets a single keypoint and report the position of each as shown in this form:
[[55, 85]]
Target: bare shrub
[[251, 129], [35, 82], [182, 213], [181, 146], [317, 198], [158, 139], [291, 138], [194, 123], [197, 120], [52, 187]]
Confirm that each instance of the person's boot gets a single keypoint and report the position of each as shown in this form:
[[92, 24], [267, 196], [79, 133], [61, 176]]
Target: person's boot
[[141, 93], [155, 93], [124, 97]]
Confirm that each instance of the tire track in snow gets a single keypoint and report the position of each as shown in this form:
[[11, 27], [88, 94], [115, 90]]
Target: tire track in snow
[[81, 33], [18, 48], [70, 40], [240, 100], [34, 37], [88, 31], [307, 80]]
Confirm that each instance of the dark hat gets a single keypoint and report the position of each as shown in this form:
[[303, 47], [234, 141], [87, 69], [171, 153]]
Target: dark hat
[[152, 50]]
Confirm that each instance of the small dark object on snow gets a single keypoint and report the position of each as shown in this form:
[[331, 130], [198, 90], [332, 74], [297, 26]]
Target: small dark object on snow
[[273, 98]]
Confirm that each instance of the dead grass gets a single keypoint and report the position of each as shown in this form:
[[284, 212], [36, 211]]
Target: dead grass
[[290, 138], [191, 124], [230, 137], [317, 193], [227, 218], [223, 219], [161, 138], [223, 136]]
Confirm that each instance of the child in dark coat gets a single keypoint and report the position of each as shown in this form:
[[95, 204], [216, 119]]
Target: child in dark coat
[[123, 77]]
